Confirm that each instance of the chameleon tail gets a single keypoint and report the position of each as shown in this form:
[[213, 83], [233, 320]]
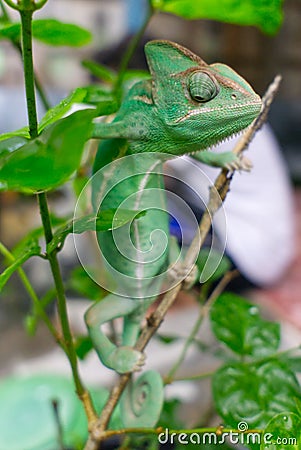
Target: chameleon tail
[[142, 401]]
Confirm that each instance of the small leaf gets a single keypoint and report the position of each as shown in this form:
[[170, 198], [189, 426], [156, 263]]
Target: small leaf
[[83, 346], [34, 235], [32, 249], [106, 220], [11, 144], [282, 432], [83, 284], [100, 71], [237, 323], [50, 159], [265, 14], [56, 33], [254, 393], [11, 31], [58, 111], [293, 362], [22, 133], [50, 31], [30, 324], [167, 339], [104, 100], [212, 264]]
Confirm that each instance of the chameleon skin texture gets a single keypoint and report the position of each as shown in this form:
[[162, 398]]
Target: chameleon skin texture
[[186, 106]]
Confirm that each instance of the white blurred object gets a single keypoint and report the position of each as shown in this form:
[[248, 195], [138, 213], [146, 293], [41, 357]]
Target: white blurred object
[[259, 209]]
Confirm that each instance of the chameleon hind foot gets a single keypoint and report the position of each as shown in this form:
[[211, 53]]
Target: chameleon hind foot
[[125, 359]]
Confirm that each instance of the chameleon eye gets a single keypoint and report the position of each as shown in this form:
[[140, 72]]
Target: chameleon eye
[[201, 87]]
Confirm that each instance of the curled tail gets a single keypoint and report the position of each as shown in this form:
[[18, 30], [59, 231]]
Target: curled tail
[[142, 401]]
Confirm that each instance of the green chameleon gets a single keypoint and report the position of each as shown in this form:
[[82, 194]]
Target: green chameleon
[[185, 107]]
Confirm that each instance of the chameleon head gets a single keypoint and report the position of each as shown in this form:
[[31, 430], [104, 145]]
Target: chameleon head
[[198, 104]]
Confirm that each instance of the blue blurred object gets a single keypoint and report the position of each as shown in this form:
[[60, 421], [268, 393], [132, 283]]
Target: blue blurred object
[[136, 13]]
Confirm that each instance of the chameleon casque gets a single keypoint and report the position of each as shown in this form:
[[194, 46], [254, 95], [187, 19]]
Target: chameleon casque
[[184, 108]]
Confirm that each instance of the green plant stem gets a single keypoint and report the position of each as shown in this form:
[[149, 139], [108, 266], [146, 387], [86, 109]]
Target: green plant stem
[[18, 47], [67, 341], [37, 305], [12, 4], [131, 49], [4, 12], [61, 298], [26, 21], [45, 102], [40, 4], [198, 376], [202, 314]]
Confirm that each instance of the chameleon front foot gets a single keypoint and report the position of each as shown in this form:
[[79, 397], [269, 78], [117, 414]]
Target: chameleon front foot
[[178, 272], [239, 163], [225, 160], [125, 359]]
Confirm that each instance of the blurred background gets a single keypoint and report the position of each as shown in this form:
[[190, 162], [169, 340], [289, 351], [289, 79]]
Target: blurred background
[[255, 55]]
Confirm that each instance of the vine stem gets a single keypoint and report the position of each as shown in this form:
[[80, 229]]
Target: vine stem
[[31, 292], [17, 46], [217, 195], [67, 341], [132, 47], [169, 378]]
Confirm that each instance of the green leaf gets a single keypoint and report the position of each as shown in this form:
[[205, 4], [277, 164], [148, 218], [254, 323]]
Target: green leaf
[[282, 432], [22, 133], [105, 220], [265, 14], [79, 95], [167, 339], [50, 159], [33, 318], [293, 362], [51, 32], [237, 324], [83, 346], [58, 111], [55, 32], [254, 393], [10, 31], [100, 71], [35, 234], [30, 325], [11, 144], [212, 264], [83, 284], [105, 101], [32, 249]]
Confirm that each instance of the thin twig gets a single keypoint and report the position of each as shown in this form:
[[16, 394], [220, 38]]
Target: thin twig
[[217, 196], [204, 310], [12, 4], [31, 292]]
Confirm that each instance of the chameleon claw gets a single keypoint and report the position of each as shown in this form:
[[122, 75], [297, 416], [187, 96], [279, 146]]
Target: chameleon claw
[[239, 163], [245, 164]]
